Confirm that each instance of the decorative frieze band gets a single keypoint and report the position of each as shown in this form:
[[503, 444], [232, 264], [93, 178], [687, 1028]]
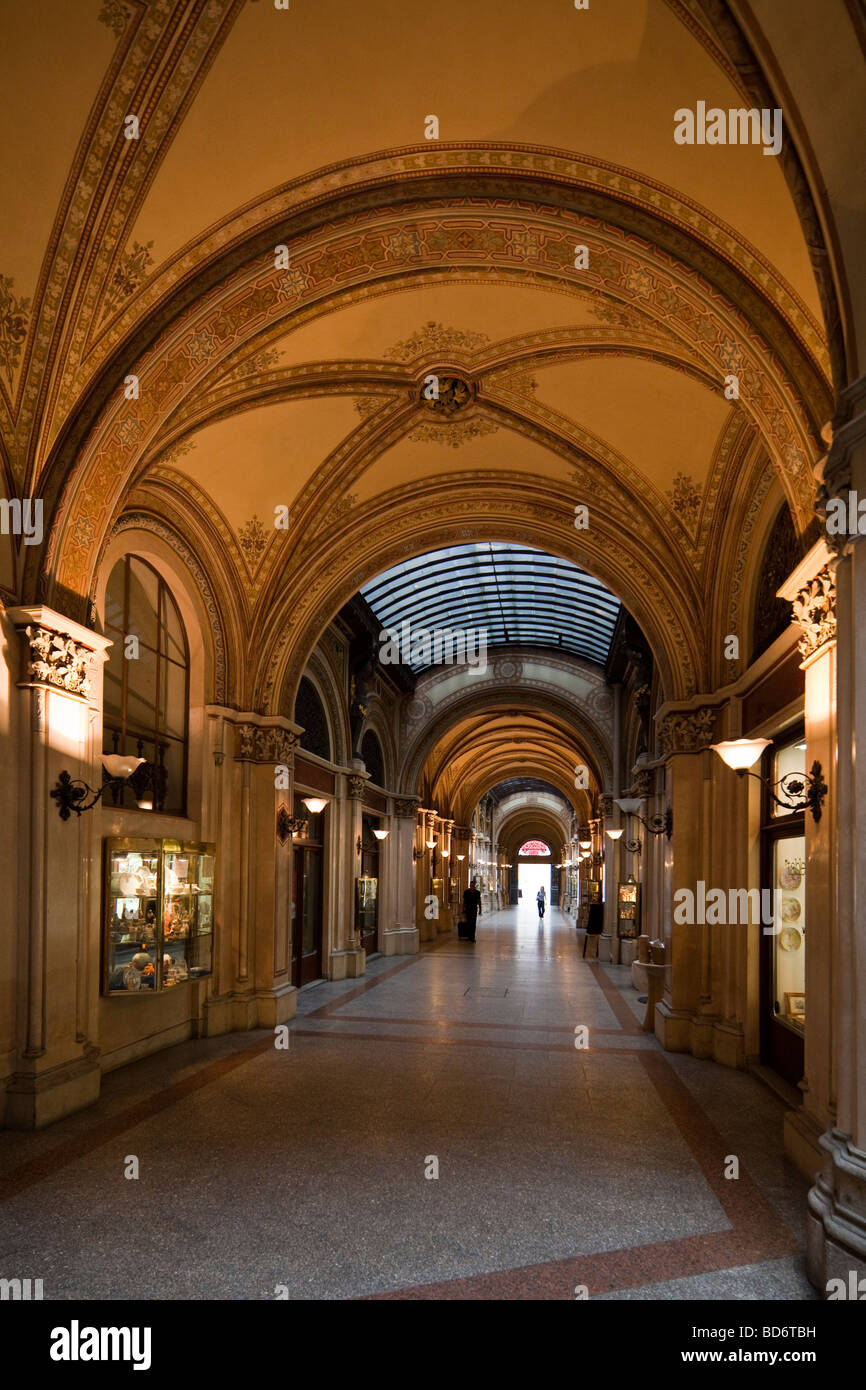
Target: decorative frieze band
[[265, 745], [815, 611], [687, 731]]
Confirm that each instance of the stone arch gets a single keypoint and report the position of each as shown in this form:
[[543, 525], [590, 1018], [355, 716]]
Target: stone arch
[[503, 697], [562, 186]]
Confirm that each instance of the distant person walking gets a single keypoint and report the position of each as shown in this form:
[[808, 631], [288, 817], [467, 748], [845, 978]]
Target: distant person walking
[[540, 899], [471, 908]]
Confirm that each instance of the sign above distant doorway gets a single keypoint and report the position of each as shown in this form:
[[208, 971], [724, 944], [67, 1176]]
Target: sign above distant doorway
[[534, 849]]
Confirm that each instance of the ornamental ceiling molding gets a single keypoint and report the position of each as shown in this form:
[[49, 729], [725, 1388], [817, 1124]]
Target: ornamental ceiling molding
[[556, 705], [603, 189], [436, 513], [508, 667], [128, 431], [157, 68]]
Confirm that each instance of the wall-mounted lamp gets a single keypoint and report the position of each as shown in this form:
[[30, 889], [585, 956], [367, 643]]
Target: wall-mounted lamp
[[315, 804], [796, 790], [656, 825], [461, 857], [381, 834], [431, 844], [70, 792], [416, 854], [445, 853]]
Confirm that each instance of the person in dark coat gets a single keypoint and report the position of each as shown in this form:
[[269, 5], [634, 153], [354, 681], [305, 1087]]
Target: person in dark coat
[[471, 908]]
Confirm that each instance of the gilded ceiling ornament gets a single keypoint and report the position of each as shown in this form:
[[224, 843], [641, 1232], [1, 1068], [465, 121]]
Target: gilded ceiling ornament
[[130, 272], [815, 611], [685, 498], [252, 539], [13, 325], [115, 16], [255, 365], [435, 339]]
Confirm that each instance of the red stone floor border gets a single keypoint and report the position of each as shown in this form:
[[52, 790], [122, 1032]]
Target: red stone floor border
[[757, 1232]]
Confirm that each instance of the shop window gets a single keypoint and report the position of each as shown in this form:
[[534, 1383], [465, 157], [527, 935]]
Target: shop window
[[146, 685], [784, 937]]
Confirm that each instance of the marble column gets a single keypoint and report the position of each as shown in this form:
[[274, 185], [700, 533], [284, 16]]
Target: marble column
[[253, 761], [836, 1237], [55, 1068], [685, 738], [402, 938]]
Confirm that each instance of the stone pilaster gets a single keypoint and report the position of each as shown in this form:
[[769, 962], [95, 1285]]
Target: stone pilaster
[[252, 794], [55, 1068], [836, 1238], [685, 736], [402, 938]]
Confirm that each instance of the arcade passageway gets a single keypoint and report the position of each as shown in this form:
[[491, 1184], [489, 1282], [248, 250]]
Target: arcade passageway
[[424, 473]]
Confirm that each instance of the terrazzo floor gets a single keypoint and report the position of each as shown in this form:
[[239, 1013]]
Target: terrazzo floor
[[303, 1170]]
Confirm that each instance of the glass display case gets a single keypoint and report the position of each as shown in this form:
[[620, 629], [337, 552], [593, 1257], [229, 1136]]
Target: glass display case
[[628, 909], [789, 931], [157, 914]]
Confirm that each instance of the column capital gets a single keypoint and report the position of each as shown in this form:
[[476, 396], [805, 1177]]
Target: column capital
[[405, 807], [687, 731], [59, 653]]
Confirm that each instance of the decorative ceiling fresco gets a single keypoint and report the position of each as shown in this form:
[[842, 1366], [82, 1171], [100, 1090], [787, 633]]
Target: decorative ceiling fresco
[[280, 321]]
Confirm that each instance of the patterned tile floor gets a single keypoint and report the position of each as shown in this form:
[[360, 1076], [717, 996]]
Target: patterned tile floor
[[558, 1168]]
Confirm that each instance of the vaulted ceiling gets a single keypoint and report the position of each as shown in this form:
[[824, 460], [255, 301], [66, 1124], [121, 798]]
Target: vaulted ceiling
[[294, 379]]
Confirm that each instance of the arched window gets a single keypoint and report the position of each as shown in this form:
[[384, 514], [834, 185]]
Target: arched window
[[146, 690], [310, 714], [782, 553], [534, 849], [371, 752]]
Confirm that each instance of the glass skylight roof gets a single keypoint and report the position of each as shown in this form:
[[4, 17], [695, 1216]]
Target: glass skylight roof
[[515, 593]]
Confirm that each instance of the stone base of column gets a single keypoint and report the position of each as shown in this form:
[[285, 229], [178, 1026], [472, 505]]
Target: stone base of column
[[239, 1012], [836, 1219], [400, 941], [702, 1036], [275, 1005], [427, 929], [444, 922], [34, 1100], [606, 945], [802, 1139], [348, 964], [627, 951]]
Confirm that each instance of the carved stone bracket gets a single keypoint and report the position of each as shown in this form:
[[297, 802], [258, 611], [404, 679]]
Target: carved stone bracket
[[815, 611], [57, 660], [687, 732], [265, 745], [405, 808], [606, 805], [644, 783], [356, 787]]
